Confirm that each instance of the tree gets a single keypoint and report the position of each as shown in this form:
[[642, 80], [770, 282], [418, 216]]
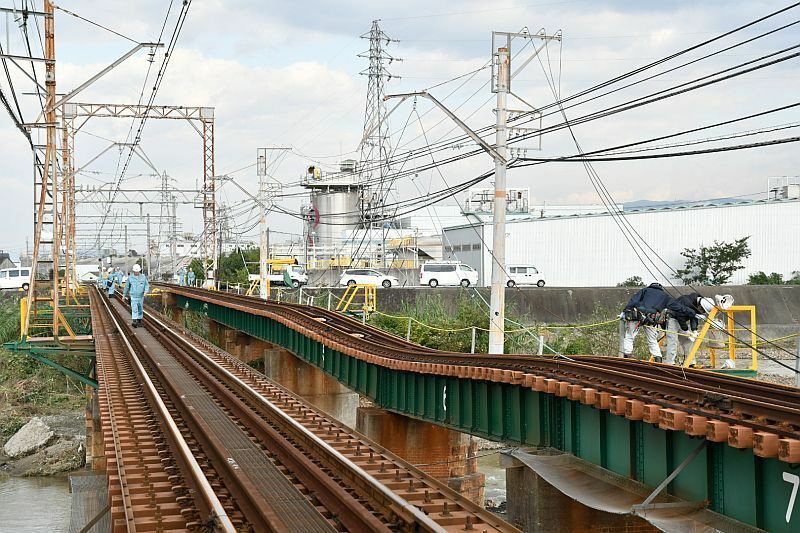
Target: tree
[[714, 264], [196, 266], [633, 281], [760, 278]]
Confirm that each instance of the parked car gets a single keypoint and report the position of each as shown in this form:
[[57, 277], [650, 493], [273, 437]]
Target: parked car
[[15, 278], [297, 274], [524, 275], [367, 276], [447, 273]]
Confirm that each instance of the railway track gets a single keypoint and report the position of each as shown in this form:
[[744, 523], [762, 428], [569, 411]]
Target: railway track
[[743, 412], [155, 478], [280, 464]]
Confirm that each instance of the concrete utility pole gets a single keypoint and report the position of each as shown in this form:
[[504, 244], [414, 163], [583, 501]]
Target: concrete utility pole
[[148, 245], [126, 250], [497, 303], [501, 84]]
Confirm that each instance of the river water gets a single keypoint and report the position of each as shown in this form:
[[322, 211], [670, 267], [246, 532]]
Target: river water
[[34, 504]]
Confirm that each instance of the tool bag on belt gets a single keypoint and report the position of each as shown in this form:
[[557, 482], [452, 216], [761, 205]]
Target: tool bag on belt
[[646, 316]]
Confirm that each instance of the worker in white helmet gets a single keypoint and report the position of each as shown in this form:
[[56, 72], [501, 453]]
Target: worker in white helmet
[[135, 289], [102, 278], [682, 329], [111, 284]]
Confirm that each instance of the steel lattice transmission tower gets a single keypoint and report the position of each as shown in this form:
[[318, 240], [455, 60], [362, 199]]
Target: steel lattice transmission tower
[[375, 146]]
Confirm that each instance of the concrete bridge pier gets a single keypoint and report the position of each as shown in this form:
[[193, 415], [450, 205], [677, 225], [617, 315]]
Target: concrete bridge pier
[[445, 454], [312, 384], [95, 452]]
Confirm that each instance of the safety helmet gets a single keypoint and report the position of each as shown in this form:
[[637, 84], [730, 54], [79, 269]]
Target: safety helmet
[[707, 304], [724, 301], [110, 270], [137, 268]]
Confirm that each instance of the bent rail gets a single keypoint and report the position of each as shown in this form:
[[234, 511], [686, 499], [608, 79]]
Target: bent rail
[[637, 419]]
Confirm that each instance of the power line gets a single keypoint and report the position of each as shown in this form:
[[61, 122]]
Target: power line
[[636, 240], [159, 79], [118, 34]]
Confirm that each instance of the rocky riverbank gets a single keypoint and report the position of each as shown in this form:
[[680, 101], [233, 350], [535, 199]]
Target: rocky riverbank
[[45, 446]]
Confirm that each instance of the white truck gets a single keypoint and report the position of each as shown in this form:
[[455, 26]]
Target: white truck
[[297, 274]]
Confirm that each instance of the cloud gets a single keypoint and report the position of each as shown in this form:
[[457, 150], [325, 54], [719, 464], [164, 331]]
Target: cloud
[[287, 76]]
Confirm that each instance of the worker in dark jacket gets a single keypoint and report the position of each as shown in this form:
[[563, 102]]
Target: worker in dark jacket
[[650, 308], [681, 329]]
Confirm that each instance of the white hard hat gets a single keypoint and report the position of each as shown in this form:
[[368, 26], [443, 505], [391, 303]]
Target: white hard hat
[[137, 268], [724, 301], [707, 304], [110, 269]]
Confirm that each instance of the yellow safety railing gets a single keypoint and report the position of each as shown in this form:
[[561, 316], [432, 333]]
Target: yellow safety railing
[[730, 336], [370, 298]]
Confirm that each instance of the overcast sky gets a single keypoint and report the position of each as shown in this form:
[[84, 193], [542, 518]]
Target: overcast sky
[[287, 73]]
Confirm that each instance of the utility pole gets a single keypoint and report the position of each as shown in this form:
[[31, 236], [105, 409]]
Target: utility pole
[[264, 198], [497, 302], [501, 78], [50, 163], [148, 245], [126, 250], [173, 238]]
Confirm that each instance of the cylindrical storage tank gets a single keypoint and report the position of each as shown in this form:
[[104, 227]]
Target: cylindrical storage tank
[[335, 210]]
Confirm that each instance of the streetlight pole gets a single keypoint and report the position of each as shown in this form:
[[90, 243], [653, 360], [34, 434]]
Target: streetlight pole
[[497, 302]]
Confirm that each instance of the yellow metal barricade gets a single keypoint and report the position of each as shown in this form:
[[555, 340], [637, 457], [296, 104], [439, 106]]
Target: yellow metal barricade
[[350, 294], [724, 337]]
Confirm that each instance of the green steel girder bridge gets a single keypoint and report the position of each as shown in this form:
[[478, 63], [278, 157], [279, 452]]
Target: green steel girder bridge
[[729, 443]]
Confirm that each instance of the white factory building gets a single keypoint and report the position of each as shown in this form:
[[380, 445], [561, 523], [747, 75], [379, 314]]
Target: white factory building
[[590, 249]]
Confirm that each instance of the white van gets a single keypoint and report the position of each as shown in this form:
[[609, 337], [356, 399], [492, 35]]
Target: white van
[[15, 278], [524, 275], [447, 273]]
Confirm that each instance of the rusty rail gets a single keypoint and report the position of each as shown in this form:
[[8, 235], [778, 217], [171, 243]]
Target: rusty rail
[[346, 481], [742, 412]]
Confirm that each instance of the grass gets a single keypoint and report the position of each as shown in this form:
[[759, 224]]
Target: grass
[[431, 311], [28, 388]]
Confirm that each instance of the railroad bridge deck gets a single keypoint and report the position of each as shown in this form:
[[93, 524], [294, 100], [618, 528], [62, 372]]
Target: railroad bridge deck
[[192, 438], [637, 420]]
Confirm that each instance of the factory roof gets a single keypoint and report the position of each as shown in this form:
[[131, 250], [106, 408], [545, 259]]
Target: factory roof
[[703, 204]]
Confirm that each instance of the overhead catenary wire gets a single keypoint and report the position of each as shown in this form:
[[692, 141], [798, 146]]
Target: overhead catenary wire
[[92, 22], [653, 64], [631, 235], [181, 19]]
